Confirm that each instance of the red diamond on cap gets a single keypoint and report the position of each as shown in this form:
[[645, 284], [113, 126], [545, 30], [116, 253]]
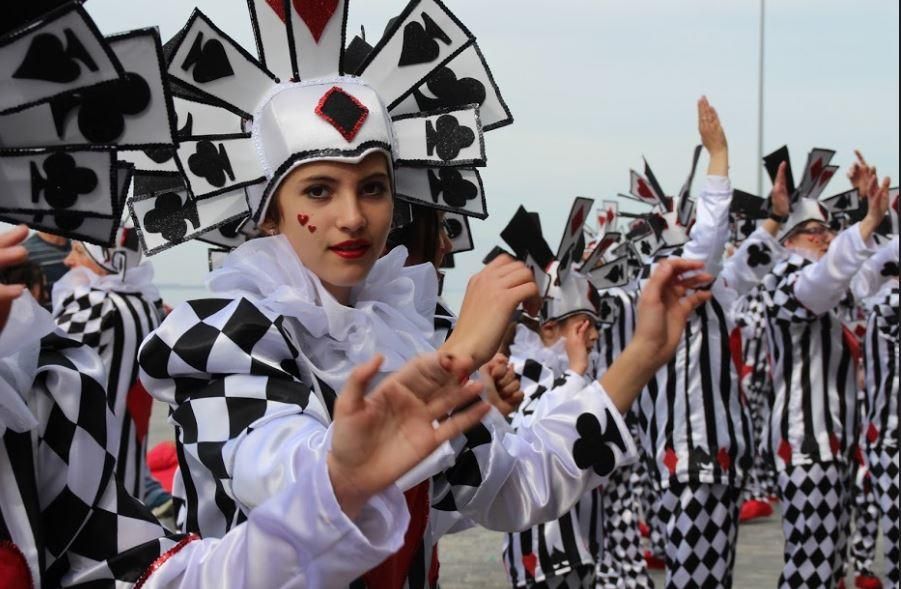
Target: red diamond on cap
[[343, 111]]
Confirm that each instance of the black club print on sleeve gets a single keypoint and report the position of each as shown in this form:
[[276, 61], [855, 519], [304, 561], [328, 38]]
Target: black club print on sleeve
[[447, 137], [595, 447], [759, 255]]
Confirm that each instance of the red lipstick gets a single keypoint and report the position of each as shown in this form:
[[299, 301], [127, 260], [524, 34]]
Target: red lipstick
[[353, 249]]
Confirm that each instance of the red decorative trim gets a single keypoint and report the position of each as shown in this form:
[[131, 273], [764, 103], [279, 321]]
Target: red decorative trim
[[164, 557], [347, 134], [14, 571]]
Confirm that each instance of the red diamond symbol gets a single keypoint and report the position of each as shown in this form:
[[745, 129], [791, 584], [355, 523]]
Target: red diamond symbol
[[670, 460]]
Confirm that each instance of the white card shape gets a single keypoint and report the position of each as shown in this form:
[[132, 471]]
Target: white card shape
[[98, 230], [271, 36], [465, 80], [60, 52], [641, 189], [648, 245], [825, 176], [218, 165], [572, 233], [457, 227], [134, 112], [58, 182], [153, 160], [686, 207], [607, 217], [212, 63], [608, 309], [423, 38], [542, 278], [611, 274], [598, 253], [229, 235], [199, 119], [317, 32], [167, 219], [457, 190], [216, 258], [817, 162], [442, 138]]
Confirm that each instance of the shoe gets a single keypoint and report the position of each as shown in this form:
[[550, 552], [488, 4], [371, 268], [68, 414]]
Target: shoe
[[754, 509], [654, 563], [644, 529], [867, 582]]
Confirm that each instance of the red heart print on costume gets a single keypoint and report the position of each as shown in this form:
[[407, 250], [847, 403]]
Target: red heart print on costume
[[316, 14], [303, 219], [277, 6]]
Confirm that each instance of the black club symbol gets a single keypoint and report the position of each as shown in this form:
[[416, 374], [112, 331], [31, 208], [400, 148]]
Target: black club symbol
[[102, 108], [891, 269], [450, 184], [64, 181], [211, 164], [759, 255], [447, 137], [594, 449], [169, 217]]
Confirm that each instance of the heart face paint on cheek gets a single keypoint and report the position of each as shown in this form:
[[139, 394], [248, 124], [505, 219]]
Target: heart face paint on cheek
[[303, 219], [312, 228]]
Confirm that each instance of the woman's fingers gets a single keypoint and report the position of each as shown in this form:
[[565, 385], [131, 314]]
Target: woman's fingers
[[440, 407], [355, 389], [12, 256], [461, 422], [14, 236]]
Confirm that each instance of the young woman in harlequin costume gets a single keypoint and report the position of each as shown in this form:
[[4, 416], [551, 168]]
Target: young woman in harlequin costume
[[812, 424], [253, 376], [108, 301], [67, 521]]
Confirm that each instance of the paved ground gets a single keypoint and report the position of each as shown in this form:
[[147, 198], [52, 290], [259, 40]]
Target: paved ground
[[472, 559]]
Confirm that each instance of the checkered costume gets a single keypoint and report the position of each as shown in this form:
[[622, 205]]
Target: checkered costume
[[247, 399], [621, 563], [114, 324], [812, 423], [881, 431], [66, 519]]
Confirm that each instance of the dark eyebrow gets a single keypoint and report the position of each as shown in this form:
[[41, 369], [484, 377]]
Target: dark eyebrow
[[375, 176], [318, 179]]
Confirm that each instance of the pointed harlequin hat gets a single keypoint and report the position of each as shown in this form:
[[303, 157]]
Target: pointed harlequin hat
[[423, 96]]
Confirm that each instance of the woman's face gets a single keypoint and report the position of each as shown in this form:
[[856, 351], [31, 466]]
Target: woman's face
[[337, 217], [79, 258], [812, 238]]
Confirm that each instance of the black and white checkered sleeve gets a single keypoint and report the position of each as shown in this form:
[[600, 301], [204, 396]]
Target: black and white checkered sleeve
[[225, 368], [86, 318]]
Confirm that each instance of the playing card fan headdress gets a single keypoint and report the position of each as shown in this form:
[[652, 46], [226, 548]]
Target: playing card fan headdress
[[565, 290], [423, 96], [667, 225], [71, 101], [847, 208]]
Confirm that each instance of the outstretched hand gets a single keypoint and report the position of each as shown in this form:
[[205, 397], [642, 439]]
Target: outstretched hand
[[11, 254], [491, 297], [379, 437], [861, 174], [877, 196], [714, 138], [666, 302]]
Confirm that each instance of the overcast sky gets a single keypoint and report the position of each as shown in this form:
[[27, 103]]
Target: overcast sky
[[596, 84]]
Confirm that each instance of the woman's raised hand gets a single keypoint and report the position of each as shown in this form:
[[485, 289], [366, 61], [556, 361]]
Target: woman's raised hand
[[502, 385], [576, 336], [379, 437], [491, 298]]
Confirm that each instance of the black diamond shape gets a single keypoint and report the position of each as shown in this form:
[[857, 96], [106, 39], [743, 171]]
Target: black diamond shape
[[343, 111]]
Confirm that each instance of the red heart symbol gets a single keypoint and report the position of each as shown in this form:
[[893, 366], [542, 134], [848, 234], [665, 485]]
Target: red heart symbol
[[724, 459], [316, 14], [277, 6], [530, 562], [577, 222], [644, 191], [312, 228], [816, 169], [303, 219]]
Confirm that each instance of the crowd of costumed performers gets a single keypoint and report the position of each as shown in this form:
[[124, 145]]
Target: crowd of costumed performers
[[621, 403]]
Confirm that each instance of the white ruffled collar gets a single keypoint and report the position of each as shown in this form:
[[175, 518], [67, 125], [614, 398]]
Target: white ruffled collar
[[79, 281], [19, 348], [528, 345], [392, 314]]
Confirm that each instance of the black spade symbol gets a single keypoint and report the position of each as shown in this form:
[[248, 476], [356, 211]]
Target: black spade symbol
[[209, 60], [448, 137], [211, 164], [169, 217], [420, 44], [615, 275], [606, 309], [102, 109], [451, 185], [594, 448], [64, 181], [49, 61], [450, 91], [759, 255], [453, 227], [646, 248]]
